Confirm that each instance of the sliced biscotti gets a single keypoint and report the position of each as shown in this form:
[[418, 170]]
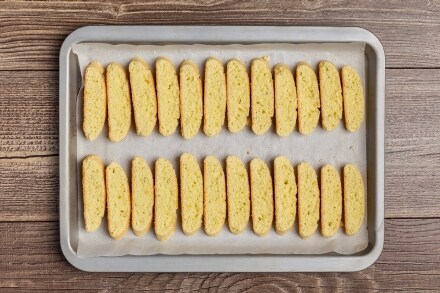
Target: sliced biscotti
[[95, 100], [354, 199], [119, 102], [331, 201], [118, 200], [308, 200], [261, 197], [191, 194], [238, 193], [353, 95], [191, 99], [142, 196], [238, 91], [166, 199], [167, 87], [308, 98], [285, 195], [93, 186], [331, 95], [143, 95], [214, 196], [285, 100], [262, 96], [214, 97]]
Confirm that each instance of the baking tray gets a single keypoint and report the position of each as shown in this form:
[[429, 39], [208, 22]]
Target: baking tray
[[70, 82]]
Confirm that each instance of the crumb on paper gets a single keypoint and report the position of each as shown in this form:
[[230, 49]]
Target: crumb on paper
[[267, 58]]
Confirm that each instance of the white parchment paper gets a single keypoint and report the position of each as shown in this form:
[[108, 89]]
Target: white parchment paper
[[336, 147]]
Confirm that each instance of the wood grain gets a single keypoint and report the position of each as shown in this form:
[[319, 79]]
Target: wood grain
[[30, 128], [30, 253], [29, 189], [32, 31], [412, 139], [29, 113]]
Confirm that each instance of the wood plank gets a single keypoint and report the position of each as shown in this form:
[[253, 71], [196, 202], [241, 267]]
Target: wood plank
[[30, 258], [32, 32], [30, 113], [29, 189], [412, 143]]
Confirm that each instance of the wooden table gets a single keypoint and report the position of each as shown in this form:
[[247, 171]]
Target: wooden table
[[30, 37]]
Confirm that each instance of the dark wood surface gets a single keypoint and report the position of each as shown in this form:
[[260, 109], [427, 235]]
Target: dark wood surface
[[31, 33]]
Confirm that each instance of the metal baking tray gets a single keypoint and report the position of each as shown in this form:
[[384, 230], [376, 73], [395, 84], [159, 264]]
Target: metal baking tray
[[70, 82]]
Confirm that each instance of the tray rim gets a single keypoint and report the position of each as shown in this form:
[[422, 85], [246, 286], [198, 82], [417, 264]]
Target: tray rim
[[224, 263]]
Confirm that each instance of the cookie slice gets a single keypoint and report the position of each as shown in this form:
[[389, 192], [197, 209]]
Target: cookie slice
[[308, 200], [214, 97], [238, 193], [191, 99], [308, 98], [214, 196], [167, 87], [285, 195], [118, 200], [331, 95], [119, 102], [143, 94], [331, 201], [354, 199], [238, 91], [353, 95], [93, 186], [142, 196], [261, 197], [95, 100], [166, 199], [191, 194], [285, 100], [262, 96]]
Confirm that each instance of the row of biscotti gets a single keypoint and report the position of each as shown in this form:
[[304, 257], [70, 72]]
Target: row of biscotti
[[210, 197], [171, 98]]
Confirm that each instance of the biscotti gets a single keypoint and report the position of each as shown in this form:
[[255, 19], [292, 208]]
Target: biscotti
[[143, 95], [354, 199], [119, 102], [308, 200], [331, 95], [214, 196], [238, 193], [285, 100], [214, 97], [95, 100], [93, 186], [167, 87], [308, 98], [353, 95], [285, 195], [191, 99], [331, 201], [238, 91], [142, 196], [118, 200], [262, 96], [191, 194], [166, 199], [261, 197]]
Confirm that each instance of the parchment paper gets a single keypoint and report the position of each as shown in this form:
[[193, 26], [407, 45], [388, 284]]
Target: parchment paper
[[336, 147]]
